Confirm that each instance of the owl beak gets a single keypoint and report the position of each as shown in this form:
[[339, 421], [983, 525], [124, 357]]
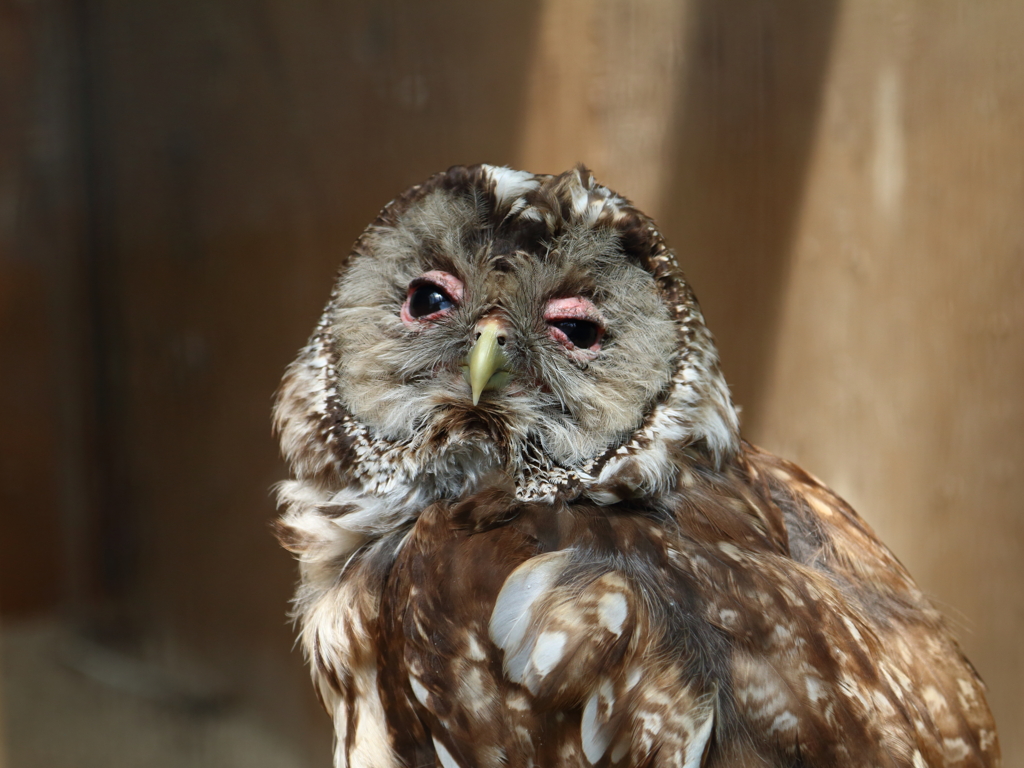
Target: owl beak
[[487, 360]]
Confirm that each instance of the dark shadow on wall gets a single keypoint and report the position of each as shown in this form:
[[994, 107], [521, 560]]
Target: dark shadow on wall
[[745, 128], [233, 153]]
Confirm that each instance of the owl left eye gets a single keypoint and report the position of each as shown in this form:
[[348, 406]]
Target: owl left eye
[[575, 323], [582, 334]]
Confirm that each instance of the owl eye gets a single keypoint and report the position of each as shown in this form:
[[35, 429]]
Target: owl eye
[[430, 296], [582, 334], [427, 299], [576, 324]]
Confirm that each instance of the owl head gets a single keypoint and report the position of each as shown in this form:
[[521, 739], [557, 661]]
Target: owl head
[[496, 321]]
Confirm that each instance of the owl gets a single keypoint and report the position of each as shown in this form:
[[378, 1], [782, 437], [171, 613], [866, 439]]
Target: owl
[[530, 534]]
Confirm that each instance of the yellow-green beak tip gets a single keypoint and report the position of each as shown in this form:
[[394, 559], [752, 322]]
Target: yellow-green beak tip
[[486, 359]]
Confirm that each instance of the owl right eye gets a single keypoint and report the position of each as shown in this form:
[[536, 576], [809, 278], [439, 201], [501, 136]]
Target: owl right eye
[[428, 299]]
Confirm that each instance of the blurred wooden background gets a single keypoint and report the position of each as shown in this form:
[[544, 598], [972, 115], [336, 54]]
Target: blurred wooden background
[[843, 181]]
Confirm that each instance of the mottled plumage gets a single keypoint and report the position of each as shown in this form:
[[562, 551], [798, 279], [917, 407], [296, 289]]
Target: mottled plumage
[[587, 567]]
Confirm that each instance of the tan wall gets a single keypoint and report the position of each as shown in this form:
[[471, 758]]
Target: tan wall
[[844, 183], [898, 367]]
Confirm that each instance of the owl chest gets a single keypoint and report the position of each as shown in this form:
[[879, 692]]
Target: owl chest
[[524, 644], [594, 637]]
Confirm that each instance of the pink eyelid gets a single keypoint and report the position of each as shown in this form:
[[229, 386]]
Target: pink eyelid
[[448, 283], [576, 308], [451, 284]]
